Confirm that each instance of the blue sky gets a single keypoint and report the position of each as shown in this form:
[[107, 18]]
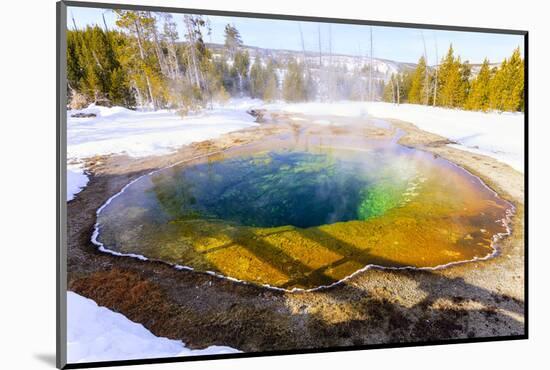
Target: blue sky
[[399, 44]]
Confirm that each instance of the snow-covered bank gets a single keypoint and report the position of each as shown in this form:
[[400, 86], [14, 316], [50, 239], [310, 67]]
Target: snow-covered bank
[[98, 334], [498, 135], [137, 133], [76, 180]]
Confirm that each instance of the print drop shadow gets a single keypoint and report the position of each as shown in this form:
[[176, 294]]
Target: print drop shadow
[[46, 358]]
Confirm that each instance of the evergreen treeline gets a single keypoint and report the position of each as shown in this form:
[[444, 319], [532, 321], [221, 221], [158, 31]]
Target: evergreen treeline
[[451, 84], [144, 66], [144, 63]]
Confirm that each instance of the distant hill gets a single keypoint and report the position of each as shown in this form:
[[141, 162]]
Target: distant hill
[[382, 68]]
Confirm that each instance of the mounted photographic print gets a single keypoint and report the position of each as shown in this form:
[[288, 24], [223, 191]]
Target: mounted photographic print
[[237, 184]]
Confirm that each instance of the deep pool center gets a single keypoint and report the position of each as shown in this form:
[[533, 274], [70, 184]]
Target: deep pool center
[[287, 188], [306, 211]]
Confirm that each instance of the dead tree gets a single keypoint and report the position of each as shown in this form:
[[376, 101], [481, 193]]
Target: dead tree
[[306, 65], [192, 54], [370, 68], [331, 88], [398, 91], [139, 36], [436, 71], [320, 51], [321, 67], [392, 90], [426, 89], [104, 22], [156, 42], [171, 36]]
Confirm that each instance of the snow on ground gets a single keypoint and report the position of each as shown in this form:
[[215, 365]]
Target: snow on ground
[[76, 180], [498, 135], [98, 334], [139, 133]]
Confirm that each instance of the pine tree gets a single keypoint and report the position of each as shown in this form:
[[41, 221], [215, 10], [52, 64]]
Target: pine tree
[[398, 88], [93, 67], [453, 81], [235, 78], [478, 98], [404, 82], [418, 88], [507, 88], [233, 41], [294, 85], [145, 68], [271, 91], [257, 79], [388, 94], [241, 64], [75, 70], [465, 86]]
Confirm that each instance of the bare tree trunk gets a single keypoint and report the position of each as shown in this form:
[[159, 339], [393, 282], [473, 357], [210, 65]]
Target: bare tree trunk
[[142, 56], [436, 72], [138, 93], [104, 22], [192, 52], [321, 67], [303, 48], [398, 91], [175, 63], [361, 82], [426, 91], [306, 64], [330, 71], [189, 69], [170, 33], [370, 68], [392, 90], [156, 42], [97, 60], [320, 51]]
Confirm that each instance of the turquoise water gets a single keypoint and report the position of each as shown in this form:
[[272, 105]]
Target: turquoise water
[[279, 188]]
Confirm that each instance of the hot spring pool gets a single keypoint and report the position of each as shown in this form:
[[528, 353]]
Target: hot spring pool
[[306, 210]]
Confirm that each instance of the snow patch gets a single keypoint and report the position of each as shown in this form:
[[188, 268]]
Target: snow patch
[[76, 180], [119, 130], [96, 333]]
